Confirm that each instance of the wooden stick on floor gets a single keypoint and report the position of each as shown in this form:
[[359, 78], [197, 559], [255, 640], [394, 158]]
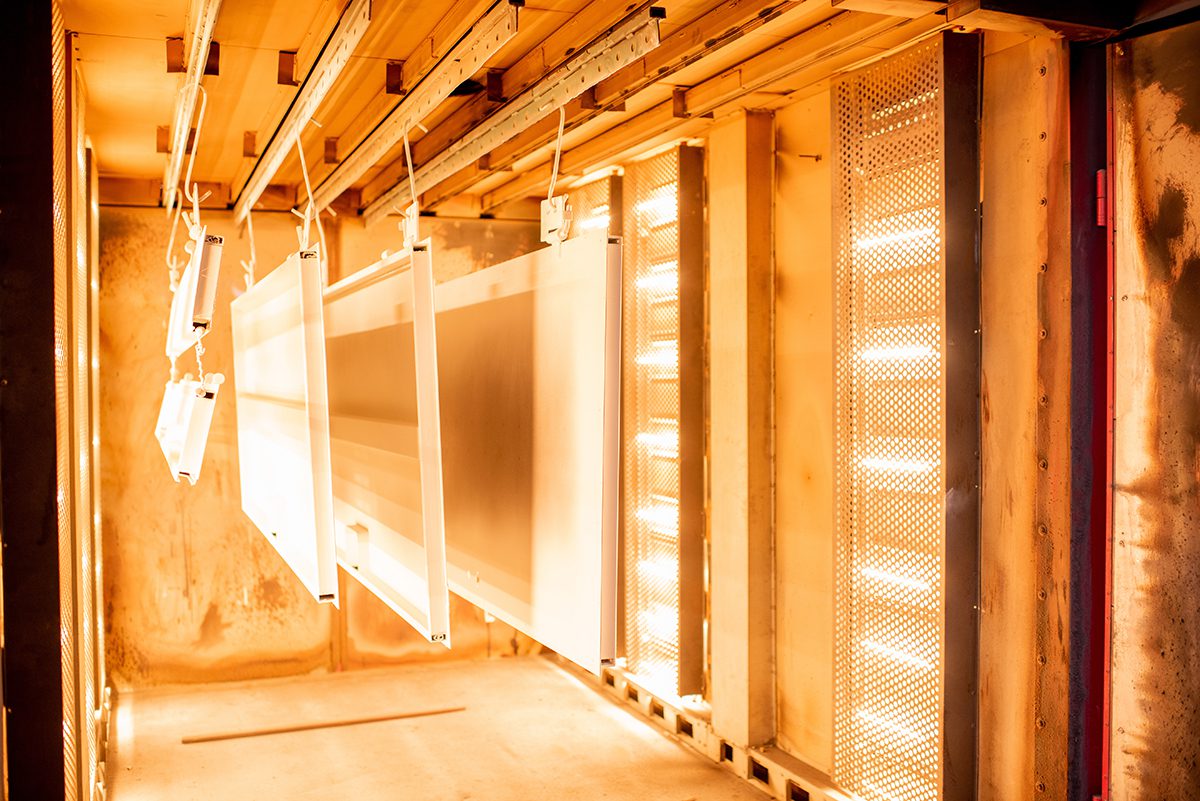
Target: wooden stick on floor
[[237, 735]]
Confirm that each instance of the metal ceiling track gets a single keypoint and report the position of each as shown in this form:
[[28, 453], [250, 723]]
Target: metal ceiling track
[[185, 109], [332, 60], [494, 30], [624, 43]]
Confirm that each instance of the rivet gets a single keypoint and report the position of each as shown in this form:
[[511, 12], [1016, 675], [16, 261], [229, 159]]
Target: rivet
[[1042, 333], [1041, 660], [1041, 786], [1042, 267], [1043, 464], [1042, 70], [1043, 530], [1043, 400], [1041, 723], [1042, 136], [1041, 595], [1042, 202]]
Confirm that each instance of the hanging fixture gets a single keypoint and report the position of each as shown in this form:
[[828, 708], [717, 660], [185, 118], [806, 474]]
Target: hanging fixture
[[283, 420], [382, 350], [185, 415]]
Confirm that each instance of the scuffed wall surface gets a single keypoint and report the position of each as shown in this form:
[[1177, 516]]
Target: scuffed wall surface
[[1156, 504], [192, 591]]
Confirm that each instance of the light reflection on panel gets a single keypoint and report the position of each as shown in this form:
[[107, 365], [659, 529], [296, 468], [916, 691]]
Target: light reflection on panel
[[282, 419], [528, 352], [385, 434]]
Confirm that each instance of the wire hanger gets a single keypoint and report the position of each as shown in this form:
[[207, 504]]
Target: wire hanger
[[556, 213], [311, 214], [190, 192]]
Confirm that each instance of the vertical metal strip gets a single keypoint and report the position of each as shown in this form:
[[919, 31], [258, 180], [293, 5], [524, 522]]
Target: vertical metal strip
[[962, 110], [692, 446]]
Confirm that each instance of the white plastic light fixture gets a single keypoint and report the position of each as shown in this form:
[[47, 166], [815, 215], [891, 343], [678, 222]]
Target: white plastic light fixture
[[183, 423], [192, 305]]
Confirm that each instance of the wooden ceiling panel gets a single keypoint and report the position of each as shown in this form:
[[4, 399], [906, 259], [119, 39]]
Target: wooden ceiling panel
[[127, 98]]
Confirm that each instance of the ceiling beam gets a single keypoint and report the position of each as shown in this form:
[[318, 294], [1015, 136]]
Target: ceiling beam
[[334, 56], [722, 25], [836, 45], [629, 40], [817, 45], [532, 67]]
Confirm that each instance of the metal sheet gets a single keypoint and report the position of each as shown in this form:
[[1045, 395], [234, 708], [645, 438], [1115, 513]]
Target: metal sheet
[[385, 440], [283, 418], [530, 376]]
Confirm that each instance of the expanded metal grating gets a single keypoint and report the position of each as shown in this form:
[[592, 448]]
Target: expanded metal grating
[[891, 422], [651, 418], [594, 207]]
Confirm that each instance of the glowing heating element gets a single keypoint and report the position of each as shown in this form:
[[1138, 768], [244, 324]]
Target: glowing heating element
[[663, 421], [907, 424]]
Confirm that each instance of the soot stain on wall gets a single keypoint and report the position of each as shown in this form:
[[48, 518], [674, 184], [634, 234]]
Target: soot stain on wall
[[1167, 758]]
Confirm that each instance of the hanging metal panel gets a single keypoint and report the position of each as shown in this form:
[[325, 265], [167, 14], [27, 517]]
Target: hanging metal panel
[[663, 423], [385, 427], [907, 423], [529, 355], [283, 418]]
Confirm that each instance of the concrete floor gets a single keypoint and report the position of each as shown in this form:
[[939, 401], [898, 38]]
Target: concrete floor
[[529, 730]]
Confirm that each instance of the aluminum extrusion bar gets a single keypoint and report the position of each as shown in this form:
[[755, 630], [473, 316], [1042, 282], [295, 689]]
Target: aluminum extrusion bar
[[626, 42], [494, 30], [332, 60], [186, 107]]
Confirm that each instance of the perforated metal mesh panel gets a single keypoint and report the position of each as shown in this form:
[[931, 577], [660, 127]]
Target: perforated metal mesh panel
[[654, 528], [593, 208], [890, 465], [63, 351]]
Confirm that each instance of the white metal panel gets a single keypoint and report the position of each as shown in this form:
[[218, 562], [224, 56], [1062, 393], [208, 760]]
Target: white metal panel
[[283, 418], [529, 354], [386, 437]]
